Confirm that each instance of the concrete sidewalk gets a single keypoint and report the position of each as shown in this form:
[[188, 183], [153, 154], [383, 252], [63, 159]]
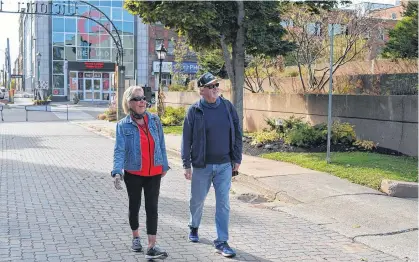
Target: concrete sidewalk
[[364, 214]]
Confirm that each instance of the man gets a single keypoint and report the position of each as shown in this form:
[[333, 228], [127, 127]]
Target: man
[[212, 145]]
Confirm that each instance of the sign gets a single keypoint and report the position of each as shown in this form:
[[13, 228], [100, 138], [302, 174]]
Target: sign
[[67, 8], [168, 67], [91, 66], [165, 68], [73, 83], [16, 76]]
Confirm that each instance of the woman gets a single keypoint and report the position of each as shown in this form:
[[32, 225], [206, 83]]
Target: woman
[[140, 160]]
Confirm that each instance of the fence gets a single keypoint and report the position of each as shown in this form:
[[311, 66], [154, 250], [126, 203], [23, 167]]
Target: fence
[[41, 109]]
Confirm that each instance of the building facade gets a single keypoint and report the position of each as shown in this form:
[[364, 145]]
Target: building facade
[[189, 67], [75, 56]]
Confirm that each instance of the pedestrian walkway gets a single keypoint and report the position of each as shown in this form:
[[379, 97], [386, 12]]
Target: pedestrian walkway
[[57, 203]]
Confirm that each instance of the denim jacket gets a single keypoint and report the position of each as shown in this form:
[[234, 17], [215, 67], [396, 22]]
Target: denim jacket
[[194, 139], [127, 151]]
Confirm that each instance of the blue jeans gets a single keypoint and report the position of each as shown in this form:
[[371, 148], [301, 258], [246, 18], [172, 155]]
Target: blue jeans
[[220, 176]]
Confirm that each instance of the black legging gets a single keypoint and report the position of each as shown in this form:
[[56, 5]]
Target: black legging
[[151, 186]]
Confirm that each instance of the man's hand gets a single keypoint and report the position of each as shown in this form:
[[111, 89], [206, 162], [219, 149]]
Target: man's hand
[[117, 181], [236, 167], [188, 174], [164, 173]]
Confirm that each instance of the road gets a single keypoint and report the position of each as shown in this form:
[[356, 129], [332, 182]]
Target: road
[[57, 203]]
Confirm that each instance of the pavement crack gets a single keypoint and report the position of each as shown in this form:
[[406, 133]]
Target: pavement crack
[[386, 234]]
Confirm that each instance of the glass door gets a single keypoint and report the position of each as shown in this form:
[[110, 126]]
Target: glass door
[[92, 89], [88, 89], [97, 89]]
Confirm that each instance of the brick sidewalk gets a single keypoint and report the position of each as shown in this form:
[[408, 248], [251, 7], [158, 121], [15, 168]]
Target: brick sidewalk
[[57, 203]]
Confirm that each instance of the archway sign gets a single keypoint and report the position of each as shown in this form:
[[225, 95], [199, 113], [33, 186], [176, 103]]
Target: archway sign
[[69, 9]]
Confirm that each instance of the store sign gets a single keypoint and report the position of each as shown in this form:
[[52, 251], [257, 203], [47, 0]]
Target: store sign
[[168, 67], [67, 8], [91, 66], [94, 65]]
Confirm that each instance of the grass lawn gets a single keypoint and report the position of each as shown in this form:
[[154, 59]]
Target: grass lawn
[[174, 130], [359, 167]]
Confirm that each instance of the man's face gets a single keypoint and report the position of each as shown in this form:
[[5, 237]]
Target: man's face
[[209, 91]]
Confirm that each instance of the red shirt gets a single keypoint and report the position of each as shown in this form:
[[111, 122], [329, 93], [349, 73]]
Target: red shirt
[[147, 153]]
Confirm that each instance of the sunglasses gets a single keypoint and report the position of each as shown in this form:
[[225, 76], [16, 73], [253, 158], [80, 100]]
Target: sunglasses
[[212, 86], [138, 98]]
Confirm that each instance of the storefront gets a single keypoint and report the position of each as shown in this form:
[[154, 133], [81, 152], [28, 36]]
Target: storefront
[[91, 81]]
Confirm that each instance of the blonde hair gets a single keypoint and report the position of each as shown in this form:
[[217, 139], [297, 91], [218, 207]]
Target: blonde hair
[[128, 95]]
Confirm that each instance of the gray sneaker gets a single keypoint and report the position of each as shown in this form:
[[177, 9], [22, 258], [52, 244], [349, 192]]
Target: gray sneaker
[[156, 253], [136, 245]]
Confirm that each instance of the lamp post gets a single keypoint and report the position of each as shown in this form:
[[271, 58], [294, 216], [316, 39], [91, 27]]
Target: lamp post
[[161, 55], [38, 57]]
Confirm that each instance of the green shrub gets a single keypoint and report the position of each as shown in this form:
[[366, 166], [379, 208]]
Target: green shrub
[[265, 137], [365, 144], [173, 116], [177, 88], [342, 133], [304, 135]]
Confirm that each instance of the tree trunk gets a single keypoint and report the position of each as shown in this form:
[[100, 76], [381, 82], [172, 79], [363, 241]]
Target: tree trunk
[[238, 50], [235, 62]]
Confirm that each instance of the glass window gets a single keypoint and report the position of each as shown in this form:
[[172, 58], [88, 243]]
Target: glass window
[[107, 11], [128, 28], [106, 3], [171, 47], [118, 25], [105, 40], [83, 53], [95, 3], [58, 39], [70, 53], [128, 55], [158, 43], [82, 10], [58, 53], [127, 16], [70, 25], [70, 39], [57, 24], [117, 3], [58, 81], [116, 13], [129, 69], [128, 41], [58, 67]]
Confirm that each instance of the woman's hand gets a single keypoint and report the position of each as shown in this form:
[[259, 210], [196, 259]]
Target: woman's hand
[[117, 181], [164, 173]]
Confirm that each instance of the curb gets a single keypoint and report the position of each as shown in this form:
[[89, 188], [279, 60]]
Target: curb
[[400, 189]]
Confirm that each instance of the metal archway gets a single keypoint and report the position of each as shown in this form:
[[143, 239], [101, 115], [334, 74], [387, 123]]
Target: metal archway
[[117, 42]]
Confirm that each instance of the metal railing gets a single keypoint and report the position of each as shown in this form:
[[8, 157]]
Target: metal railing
[[37, 108]]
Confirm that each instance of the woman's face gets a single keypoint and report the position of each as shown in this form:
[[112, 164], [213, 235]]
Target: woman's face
[[138, 102]]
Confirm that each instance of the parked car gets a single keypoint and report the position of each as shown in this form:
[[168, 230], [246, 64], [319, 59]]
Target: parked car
[[3, 93]]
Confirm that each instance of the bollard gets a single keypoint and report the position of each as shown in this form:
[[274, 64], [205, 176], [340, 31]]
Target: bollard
[[26, 114], [67, 112]]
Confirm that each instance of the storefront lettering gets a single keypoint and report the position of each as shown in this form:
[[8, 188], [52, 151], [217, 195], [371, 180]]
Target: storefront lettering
[[94, 65], [68, 8]]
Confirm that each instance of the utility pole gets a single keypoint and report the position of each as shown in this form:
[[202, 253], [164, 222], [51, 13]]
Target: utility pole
[[9, 72], [329, 111]]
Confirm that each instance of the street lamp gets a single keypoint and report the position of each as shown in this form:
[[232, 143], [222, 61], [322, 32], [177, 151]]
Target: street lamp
[[161, 55], [38, 57]]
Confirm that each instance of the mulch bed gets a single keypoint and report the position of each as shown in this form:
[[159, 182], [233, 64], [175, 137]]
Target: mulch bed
[[280, 146]]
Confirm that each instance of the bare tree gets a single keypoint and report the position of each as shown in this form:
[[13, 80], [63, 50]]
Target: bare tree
[[260, 69], [311, 33]]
